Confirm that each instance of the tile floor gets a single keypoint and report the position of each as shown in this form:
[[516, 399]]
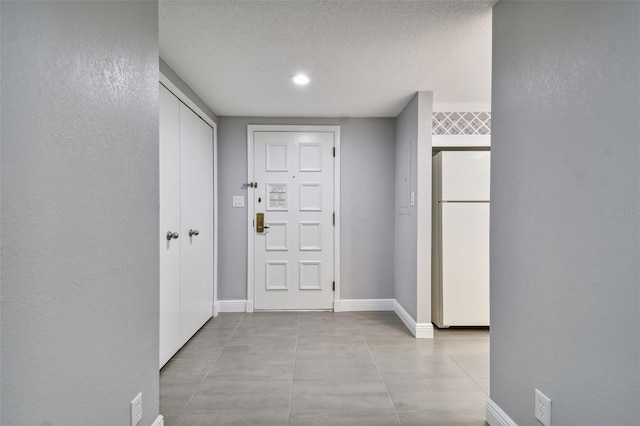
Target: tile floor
[[325, 368]]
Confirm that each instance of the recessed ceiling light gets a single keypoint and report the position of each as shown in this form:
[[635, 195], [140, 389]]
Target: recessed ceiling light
[[301, 79]]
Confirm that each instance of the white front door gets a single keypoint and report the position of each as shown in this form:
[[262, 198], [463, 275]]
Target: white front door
[[293, 264]]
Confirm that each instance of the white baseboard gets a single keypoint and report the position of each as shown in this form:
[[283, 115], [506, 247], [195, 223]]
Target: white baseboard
[[159, 421], [216, 309], [230, 306], [421, 330], [424, 330], [496, 417], [354, 305]]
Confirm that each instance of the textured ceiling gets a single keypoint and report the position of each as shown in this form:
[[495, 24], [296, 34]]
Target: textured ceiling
[[365, 58]]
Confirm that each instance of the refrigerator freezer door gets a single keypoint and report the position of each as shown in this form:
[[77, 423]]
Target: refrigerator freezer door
[[465, 264], [465, 175]]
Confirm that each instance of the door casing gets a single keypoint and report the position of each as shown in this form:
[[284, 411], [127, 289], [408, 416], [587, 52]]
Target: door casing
[[251, 128]]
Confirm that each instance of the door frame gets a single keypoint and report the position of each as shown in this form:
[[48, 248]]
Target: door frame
[[251, 128]]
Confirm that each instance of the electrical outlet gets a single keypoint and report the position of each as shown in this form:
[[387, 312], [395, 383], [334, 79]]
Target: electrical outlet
[[543, 408], [136, 410]]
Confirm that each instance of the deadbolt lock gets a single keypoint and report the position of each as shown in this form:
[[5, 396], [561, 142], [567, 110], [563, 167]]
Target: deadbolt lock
[[260, 226]]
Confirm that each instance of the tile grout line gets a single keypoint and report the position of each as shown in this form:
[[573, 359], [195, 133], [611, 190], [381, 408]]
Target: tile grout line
[[467, 373], [209, 370], [450, 355], [295, 351], [375, 364]]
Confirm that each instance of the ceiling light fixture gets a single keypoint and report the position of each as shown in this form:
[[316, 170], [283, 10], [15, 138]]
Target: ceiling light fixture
[[301, 79]]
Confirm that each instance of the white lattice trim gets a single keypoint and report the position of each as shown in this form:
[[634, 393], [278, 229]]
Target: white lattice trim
[[462, 123]]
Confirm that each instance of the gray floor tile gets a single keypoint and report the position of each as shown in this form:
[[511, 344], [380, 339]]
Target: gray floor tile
[[174, 397], [323, 418], [439, 418], [185, 370], [355, 348], [266, 370], [213, 385], [207, 403], [200, 350], [170, 420], [345, 402], [262, 417], [305, 341], [436, 394], [339, 387], [359, 369], [325, 368]]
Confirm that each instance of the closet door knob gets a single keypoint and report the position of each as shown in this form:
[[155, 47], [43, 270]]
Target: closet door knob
[[172, 235], [193, 232]]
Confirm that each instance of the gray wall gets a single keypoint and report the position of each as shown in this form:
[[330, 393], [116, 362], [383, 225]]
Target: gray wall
[[413, 222], [0, 211], [565, 191], [184, 87], [79, 212], [367, 186], [406, 225]]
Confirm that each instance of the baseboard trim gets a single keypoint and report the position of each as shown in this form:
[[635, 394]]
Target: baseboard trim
[[496, 416], [424, 330], [419, 330], [231, 306], [355, 305], [159, 421]]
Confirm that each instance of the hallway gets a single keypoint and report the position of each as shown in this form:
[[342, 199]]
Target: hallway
[[325, 368]]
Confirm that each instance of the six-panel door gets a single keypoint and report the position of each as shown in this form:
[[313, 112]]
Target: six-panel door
[[293, 266]]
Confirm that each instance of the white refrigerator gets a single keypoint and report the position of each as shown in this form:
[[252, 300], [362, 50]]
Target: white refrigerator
[[460, 251]]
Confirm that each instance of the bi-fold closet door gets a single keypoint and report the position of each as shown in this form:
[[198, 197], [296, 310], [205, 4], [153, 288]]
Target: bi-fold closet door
[[186, 224]]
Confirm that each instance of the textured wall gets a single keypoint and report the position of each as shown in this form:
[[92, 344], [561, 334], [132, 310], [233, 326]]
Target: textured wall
[[79, 212], [565, 227], [367, 171]]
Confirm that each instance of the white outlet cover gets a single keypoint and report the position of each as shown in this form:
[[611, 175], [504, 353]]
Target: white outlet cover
[[136, 410], [543, 408], [238, 201]]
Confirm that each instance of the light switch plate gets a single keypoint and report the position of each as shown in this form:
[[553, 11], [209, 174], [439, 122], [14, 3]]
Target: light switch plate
[[238, 201]]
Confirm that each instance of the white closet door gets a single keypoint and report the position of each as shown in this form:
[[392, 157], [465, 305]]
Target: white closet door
[[169, 222], [196, 161]]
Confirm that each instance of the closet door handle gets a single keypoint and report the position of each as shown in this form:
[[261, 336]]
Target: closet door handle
[[193, 232], [172, 235]]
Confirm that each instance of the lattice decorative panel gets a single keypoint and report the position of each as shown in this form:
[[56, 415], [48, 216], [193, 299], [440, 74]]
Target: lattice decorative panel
[[461, 123]]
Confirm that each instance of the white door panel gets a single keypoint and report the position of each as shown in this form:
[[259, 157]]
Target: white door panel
[[293, 266], [465, 264], [196, 213], [465, 175], [169, 221]]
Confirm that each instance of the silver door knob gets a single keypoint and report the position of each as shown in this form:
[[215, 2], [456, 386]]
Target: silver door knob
[[172, 235], [193, 232]]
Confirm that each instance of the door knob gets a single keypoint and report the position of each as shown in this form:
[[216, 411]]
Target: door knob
[[172, 235], [193, 232]]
